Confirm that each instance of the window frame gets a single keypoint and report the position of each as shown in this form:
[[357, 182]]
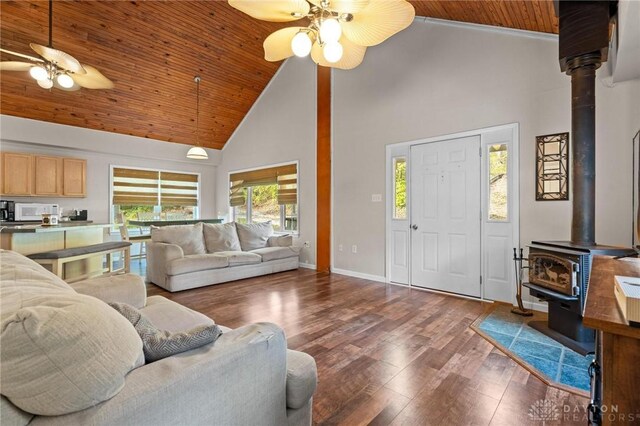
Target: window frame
[[156, 208], [232, 210], [394, 161]]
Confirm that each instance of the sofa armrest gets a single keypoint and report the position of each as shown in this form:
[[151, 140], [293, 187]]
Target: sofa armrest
[[159, 255], [238, 380], [123, 288], [302, 378], [280, 241]]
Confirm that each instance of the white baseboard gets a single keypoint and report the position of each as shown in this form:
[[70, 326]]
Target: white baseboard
[[378, 278], [307, 265]]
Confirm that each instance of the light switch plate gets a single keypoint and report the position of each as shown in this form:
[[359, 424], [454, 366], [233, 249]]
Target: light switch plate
[[376, 198]]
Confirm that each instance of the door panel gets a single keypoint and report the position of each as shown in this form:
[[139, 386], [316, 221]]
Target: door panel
[[398, 231], [445, 194]]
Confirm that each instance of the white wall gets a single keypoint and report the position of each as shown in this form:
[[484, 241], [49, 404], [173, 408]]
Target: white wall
[[102, 149], [280, 127], [436, 79]]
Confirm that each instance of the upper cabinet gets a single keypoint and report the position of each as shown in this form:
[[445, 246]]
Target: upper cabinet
[[44, 176], [75, 177]]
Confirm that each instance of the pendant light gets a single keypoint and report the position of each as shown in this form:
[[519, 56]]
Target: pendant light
[[197, 152]]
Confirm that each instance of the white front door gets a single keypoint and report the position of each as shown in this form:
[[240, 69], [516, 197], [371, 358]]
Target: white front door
[[445, 215]]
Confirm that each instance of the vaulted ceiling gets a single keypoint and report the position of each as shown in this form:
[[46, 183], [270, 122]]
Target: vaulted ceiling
[[152, 50]]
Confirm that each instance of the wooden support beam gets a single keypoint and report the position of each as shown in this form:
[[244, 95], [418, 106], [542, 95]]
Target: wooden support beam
[[323, 170]]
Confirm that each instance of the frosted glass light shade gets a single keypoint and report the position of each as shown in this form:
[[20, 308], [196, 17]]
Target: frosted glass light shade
[[45, 84], [332, 52], [330, 31], [197, 153], [38, 73], [65, 81], [301, 44]]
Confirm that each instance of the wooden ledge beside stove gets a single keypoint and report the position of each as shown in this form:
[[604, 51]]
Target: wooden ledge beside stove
[[617, 343]]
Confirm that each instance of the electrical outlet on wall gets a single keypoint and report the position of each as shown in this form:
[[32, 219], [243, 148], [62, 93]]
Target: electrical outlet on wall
[[376, 198], [340, 248], [354, 248], [306, 244]]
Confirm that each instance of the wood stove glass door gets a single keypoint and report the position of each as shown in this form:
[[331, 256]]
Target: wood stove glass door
[[445, 215]]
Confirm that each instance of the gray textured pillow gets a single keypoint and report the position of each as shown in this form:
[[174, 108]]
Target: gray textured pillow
[[221, 237], [158, 344], [188, 237], [254, 235]]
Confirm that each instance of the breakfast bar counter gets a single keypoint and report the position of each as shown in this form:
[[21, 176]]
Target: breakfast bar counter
[[35, 238]]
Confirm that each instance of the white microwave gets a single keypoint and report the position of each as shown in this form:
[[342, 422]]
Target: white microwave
[[34, 211]]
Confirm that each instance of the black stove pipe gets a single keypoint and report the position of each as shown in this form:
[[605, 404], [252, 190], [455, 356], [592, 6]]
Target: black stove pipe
[[582, 70]]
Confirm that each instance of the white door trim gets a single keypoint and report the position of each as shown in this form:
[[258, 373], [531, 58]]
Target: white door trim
[[514, 176]]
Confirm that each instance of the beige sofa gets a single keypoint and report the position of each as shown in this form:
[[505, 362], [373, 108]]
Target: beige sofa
[[67, 358], [181, 257]]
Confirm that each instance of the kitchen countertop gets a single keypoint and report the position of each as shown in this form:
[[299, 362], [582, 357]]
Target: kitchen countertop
[[63, 226], [38, 222]]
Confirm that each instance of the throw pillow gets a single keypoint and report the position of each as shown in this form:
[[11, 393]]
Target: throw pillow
[[158, 344], [254, 235], [188, 237], [221, 237], [63, 353]]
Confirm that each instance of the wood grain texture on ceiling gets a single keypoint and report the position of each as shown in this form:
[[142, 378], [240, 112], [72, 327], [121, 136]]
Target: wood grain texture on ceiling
[[152, 50]]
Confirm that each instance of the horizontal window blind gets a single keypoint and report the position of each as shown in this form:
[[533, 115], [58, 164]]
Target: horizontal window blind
[[178, 189], [286, 177], [135, 187]]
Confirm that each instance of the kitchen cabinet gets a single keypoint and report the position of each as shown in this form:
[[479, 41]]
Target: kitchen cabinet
[[75, 177], [17, 174], [47, 176], [29, 175]]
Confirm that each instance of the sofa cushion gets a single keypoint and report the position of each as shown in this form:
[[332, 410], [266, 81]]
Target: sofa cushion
[[157, 343], [189, 237], [171, 316], [196, 262], [221, 237], [10, 415], [254, 235], [126, 288], [274, 253], [62, 353], [236, 258], [302, 378], [280, 241]]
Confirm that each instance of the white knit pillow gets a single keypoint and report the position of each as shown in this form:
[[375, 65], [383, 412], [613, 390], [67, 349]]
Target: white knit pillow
[[189, 237], [62, 353]]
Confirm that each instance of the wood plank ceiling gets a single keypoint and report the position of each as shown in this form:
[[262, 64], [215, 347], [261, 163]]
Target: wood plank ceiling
[[152, 50]]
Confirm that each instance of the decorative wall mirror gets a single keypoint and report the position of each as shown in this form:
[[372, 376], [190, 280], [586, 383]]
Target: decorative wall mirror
[[552, 167]]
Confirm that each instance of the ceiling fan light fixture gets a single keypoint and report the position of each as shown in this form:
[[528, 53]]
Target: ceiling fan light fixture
[[45, 84], [330, 30], [332, 52], [301, 44], [197, 153], [38, 73], [65, 81]]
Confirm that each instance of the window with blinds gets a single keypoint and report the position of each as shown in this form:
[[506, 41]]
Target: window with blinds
[[153, 194], [270, 193]]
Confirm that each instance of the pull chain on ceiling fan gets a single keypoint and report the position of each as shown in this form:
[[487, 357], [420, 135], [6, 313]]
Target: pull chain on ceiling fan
[[338, 33], [56, 68]]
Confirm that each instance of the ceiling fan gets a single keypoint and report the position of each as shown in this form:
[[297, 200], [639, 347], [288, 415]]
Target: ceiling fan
[[56, 68], [338, 33]]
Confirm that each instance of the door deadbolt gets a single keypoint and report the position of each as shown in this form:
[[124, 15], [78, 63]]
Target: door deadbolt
[[414, 227]]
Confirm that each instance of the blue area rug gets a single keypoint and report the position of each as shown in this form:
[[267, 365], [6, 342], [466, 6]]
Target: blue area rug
[[550, 358]]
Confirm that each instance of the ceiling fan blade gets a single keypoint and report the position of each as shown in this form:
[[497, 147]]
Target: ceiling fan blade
[[21, 55], [352, 55], [345, 6], [15, 66], [60, 58], [278, 45], [92, 79], [272, 10], [379, 21]]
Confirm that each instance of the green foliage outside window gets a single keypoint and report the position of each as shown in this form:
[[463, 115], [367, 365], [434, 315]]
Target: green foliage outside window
[[400, 189]]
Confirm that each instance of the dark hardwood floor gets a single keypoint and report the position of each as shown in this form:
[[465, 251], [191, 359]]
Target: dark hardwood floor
[[388, 354]]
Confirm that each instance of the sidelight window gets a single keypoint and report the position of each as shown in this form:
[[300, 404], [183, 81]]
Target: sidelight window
[[400, 188], [498, 183]]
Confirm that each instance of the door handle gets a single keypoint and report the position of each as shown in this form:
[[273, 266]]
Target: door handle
[[414, 227]]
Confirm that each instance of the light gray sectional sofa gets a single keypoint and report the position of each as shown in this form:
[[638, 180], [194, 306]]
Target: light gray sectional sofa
[[181, 257], [67, 358]]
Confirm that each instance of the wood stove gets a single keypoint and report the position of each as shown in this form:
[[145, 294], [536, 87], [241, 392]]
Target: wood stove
[[559, 274]]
